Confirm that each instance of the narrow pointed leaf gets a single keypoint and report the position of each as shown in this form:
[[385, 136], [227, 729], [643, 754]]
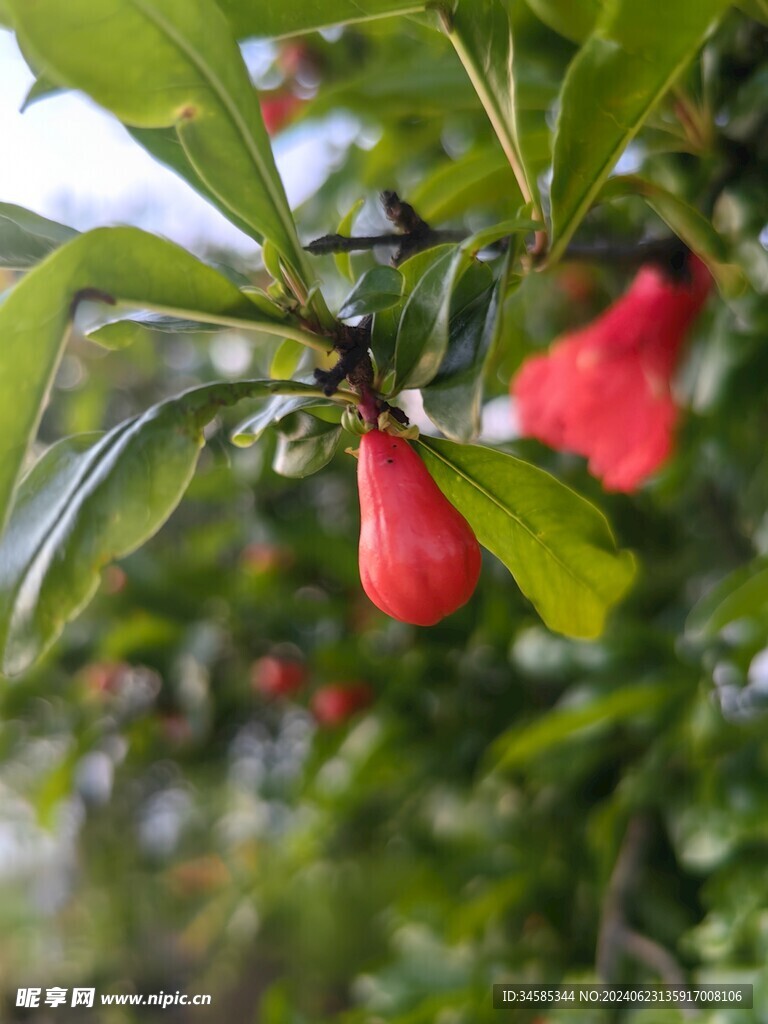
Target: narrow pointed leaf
[[692, 227], [26, 237], [304, 445], [627, 64], [111, 264], [90, 499], [558, 547], [379, 288], [573, 20], [452, 400], [422, 336], [171, 63], [287, 399], [387, 321], [482, 32], [300, 16], [522, 744], [741, 595]]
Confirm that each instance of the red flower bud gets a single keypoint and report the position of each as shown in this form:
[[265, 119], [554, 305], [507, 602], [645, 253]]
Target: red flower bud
[[337, 702], [278, 109], [604, 391], [419, 559], [277, 677]]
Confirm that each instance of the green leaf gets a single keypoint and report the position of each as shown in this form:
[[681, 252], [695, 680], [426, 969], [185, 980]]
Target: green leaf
[[379, 288], [422, 336], [452, 400], [688, 224], [423, 332], [521, 744], [487, 236], [304, 445], [397, 88], [116, 334], [90, 499], [300, 16], [165, 146], [482, 32], [26, 237], [286, 359], [558, 547], [757, 9], [476, 178], [175, 63], [40, 89], [741, 595], [112, 264], [573, 20], [387, 321], [288, 398], [343, 260], [634, 55]]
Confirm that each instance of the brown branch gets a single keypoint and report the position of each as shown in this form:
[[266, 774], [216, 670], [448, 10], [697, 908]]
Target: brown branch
[[669, 254], [412, 234], [615, 935]]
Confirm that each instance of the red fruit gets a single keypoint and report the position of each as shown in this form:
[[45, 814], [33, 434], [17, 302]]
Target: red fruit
[[604, 391], [277, 677], [337, 702], [278, 109], [419, 559]]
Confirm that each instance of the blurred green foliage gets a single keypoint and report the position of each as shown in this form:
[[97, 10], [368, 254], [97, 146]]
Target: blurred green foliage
[[163, 826]]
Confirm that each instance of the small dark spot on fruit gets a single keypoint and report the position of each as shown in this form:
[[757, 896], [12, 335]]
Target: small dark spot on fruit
[[390, 460]]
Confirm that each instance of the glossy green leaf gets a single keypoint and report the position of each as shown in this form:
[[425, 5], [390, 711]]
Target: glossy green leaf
[[26, 237], [166, 147], [488, 236], [299, 16], [286, 359], [304, 445], [40, 89], [115, 334], [422, 337], [386, 323], [114, 265], [634, 55], [574, 20], [172, 63], [741, 595], [558, 547], [688, 224], [482, 32], [477, 178], [343, 260], [521, 744], [399, 88], [90, 499], [379, 288], [288, 398], [452, 400]]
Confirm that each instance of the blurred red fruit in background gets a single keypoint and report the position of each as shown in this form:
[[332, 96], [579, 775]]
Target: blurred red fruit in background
[[278, 109], [335, 703], [277, 677]]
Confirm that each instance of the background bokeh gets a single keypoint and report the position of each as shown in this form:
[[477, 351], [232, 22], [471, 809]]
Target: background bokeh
[[164, 826]]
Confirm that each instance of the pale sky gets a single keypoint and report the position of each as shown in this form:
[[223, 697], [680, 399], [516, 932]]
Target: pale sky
[[67, 159]]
